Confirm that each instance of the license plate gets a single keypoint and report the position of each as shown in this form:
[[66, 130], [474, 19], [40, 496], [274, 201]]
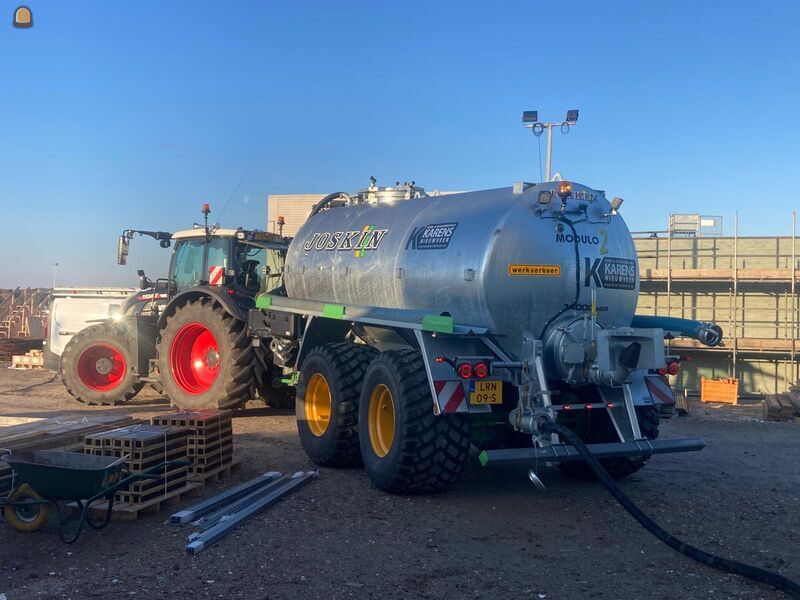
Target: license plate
[[486, 392]]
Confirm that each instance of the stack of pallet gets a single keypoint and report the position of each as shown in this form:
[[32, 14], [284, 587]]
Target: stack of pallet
[[145, 446], [64, 433], [210, 439], [783, 407], [33, 359]]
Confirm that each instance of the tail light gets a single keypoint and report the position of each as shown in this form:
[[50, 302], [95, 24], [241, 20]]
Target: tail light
[[481, 370], [673, 368], [464, 370]]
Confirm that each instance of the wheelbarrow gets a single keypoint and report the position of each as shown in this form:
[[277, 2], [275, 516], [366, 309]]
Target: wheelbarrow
[[47, 478]]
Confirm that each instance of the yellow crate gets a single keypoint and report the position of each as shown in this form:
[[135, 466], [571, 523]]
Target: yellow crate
[[719, 390]]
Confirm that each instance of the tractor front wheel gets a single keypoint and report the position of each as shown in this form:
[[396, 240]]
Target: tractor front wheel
[[96, 365], [204, 357]]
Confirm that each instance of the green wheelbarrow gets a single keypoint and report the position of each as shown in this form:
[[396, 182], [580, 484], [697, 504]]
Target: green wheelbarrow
[[44, 479]]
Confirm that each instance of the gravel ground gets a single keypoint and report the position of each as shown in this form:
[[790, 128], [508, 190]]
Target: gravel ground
[[493, 536]]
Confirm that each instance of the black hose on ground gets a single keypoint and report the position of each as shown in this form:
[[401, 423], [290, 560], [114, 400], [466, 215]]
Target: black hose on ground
[[723, 564]]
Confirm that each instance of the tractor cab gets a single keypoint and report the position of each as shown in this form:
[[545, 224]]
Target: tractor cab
[[242, 262]]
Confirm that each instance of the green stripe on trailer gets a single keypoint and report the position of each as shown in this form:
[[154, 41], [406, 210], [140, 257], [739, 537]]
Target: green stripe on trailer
[[333, 311], [438, 323], [263, 301]]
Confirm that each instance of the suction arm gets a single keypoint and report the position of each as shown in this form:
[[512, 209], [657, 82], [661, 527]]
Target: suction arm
[[325, 201], [708, 334]]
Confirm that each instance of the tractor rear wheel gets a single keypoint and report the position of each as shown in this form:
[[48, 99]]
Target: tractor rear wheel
[[97, 363], [405, 447], [327, 402], [204, 357]]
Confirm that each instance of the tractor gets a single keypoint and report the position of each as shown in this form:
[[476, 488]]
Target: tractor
[[186, 335]]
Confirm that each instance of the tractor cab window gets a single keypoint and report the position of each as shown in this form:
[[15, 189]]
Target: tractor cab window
[[218, 249], [257, 268], [187, 268]]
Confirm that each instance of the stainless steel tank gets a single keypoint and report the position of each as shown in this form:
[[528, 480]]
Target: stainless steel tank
[[511, 259]]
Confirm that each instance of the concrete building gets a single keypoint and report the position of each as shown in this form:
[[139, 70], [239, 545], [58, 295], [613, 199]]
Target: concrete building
[[748, 285], [294, 208]]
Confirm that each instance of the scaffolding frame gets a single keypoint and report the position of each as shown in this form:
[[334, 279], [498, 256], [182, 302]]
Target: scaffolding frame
[[733, 278]]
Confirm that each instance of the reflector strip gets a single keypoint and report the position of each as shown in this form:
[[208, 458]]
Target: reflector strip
[[450, 396], [215, 275]]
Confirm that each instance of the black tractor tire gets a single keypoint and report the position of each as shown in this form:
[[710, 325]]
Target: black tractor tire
[[342, 367], [423, 452], [233, 362], [618, 468], [97, 365], [281, 396]]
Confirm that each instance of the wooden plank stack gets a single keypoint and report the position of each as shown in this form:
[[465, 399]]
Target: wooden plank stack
[[783, 407], [145, 446], [12, 346], [64, 433], [210, 441]]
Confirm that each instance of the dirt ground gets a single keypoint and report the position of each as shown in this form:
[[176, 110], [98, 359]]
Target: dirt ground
[[493, 536]]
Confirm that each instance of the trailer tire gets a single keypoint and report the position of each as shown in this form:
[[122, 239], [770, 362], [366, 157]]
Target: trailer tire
[[204, 357], [618, 468], [406, 448], [328, 425], [96, 365]]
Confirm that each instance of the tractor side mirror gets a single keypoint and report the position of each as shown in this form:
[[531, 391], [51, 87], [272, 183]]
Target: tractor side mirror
[[123, 244], [144, 281]]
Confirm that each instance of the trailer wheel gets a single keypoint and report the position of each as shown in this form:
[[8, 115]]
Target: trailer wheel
[[23, 510], [327, 402], [405, 447], [96, 365], [204, 357], [618, 468]]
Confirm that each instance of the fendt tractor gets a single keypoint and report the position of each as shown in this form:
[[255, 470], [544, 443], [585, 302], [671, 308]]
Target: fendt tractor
[[186, 335], [418, 325]]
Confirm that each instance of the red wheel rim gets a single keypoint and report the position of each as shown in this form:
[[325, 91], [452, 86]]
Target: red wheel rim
[[194, 358], [101, 367]]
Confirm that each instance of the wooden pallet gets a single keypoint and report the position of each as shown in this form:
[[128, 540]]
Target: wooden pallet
[[127, 511], [213, 475], [33, 359]]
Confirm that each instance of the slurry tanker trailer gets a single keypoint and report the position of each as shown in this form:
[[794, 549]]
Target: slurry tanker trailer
[[417, 325]]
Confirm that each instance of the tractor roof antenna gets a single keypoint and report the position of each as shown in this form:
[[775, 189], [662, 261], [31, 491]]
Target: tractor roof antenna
[[530, 119]]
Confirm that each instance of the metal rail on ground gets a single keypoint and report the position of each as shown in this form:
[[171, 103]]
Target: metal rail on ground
[[206, 506], [222, 528]]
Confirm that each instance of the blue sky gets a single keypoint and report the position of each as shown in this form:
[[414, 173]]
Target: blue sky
[[132, 114]]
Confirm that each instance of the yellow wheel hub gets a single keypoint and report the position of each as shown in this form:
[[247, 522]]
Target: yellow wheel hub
[[23, 512], [318, 404], [381, 420]]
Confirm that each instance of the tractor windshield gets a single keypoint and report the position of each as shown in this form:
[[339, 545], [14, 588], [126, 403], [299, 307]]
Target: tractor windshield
[[188, 267]]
